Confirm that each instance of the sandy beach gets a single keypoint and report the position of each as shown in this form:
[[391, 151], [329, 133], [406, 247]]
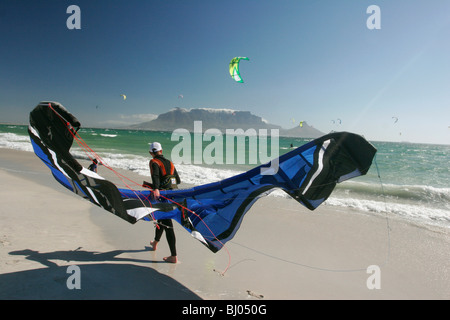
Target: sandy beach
[[281, 252]]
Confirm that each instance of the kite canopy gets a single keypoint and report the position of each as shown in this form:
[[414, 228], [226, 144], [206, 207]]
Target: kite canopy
[[234, 68], [213, 212]]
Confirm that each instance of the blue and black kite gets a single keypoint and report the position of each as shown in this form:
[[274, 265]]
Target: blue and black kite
[[213, 212]]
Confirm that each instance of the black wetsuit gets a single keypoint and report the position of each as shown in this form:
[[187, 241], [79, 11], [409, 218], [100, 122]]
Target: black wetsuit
[[160, 168]]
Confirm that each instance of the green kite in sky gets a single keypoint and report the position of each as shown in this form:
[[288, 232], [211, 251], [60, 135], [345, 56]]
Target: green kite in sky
[[234, 68]]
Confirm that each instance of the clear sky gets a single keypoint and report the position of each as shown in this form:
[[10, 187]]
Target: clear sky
[[310, 60]]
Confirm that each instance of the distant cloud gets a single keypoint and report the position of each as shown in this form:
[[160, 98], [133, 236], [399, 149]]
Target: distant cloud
[[138, 117], [128, 119]]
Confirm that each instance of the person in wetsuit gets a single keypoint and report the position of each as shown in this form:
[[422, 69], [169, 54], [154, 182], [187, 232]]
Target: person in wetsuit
[[164, 177], [93, 165]]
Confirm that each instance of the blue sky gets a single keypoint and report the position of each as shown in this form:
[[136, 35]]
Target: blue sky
[[312, 61]]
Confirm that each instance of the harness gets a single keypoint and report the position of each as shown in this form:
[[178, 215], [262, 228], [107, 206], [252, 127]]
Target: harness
[[168, 180]]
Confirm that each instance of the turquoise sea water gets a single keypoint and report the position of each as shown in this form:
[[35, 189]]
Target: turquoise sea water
[[408, 180]]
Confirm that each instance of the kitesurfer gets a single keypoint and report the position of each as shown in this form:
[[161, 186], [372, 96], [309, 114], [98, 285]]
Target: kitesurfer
[[164, 177], [93, 165]]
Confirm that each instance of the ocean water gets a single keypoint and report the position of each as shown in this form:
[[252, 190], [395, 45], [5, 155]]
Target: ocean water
[[407, 180]]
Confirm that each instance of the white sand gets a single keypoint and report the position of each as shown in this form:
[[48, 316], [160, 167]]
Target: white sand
[[282, 250]]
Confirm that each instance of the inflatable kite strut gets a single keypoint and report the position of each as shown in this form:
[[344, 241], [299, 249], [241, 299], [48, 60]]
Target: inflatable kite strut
[[213, 212]]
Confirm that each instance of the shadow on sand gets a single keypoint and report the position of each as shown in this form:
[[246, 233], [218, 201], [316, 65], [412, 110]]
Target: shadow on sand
[[112, 277]]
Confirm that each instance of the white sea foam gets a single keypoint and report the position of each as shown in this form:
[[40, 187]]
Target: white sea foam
[[191, 174], [14, 141], [108, 135], [414, 212]]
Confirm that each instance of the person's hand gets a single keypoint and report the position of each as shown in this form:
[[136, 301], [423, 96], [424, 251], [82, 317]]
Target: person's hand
[[156, 194]]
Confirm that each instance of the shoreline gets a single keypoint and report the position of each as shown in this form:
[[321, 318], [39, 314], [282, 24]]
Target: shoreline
[[281, 136], [282, 250]]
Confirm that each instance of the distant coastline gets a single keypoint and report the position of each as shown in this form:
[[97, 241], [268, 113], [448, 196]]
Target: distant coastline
[[283, 133], [221, 119]]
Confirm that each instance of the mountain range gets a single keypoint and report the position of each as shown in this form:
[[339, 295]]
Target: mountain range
[[221, 119]]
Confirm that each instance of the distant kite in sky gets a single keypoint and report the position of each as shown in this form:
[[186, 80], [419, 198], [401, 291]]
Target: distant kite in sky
[[300, 123], [123, 96], [234, 68], [395, 119]]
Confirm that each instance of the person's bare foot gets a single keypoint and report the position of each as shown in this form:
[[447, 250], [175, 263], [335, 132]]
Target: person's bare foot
[[171, 259], [154, 244]]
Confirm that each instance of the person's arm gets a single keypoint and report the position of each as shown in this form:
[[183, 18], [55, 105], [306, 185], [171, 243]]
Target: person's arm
[[155, 171]]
